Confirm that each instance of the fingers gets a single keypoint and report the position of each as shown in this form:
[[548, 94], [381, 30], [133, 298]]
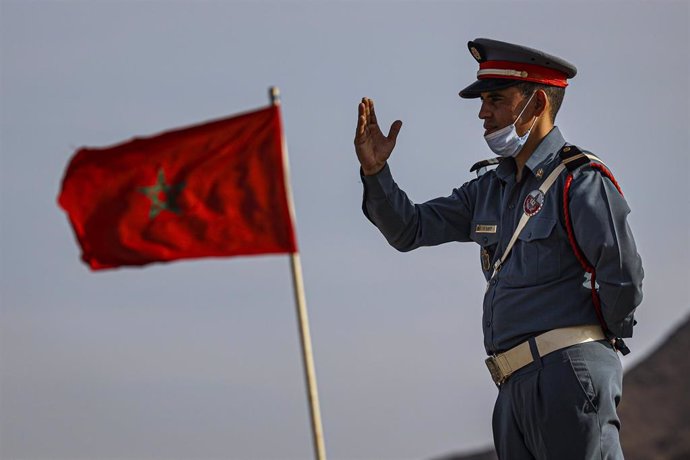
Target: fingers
[[367, 118], [364, 119], [395, 129], [360, 133], [362, 107], [366, 108], [361, 122], [372, 113]]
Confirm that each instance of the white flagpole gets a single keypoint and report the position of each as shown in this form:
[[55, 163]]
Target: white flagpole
[[303, 320]]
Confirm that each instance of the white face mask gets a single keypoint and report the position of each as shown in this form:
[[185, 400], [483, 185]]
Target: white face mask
[[505, 142]]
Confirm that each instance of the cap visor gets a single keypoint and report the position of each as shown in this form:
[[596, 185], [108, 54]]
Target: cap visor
[[489, 84]]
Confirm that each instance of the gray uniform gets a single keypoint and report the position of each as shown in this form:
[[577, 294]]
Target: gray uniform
[[541, 285]]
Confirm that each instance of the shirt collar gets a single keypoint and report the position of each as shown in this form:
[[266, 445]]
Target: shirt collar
[[548, 146], [506, 169]]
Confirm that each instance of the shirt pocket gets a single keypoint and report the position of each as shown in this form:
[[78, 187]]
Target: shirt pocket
[[485, 234], [536, 254]]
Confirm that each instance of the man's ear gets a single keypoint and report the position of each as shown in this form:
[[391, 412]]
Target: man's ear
[[543, 103]]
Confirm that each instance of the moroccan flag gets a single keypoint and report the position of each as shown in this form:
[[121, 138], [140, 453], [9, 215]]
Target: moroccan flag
[[210, 190]]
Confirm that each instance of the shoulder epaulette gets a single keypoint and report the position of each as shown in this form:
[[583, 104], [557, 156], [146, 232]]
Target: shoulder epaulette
[[572, 157], [484, 164]]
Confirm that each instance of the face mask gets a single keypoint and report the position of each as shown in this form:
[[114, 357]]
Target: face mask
[[505, 142]]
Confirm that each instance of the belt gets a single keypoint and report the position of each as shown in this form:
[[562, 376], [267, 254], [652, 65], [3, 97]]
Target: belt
[[502, 365]]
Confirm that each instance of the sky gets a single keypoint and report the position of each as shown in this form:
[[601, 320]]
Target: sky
[[200, 359]]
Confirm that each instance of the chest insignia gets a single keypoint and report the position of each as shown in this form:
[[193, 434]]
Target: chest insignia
[[486, 228], [533, 202]]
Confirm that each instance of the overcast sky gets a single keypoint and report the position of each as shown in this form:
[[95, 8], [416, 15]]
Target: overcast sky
[[200, 359]]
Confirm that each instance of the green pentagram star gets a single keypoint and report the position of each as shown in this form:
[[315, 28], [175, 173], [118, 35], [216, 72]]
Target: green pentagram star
[[163, 196]]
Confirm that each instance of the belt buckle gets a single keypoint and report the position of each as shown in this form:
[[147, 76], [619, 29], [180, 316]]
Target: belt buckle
[[495, 371]]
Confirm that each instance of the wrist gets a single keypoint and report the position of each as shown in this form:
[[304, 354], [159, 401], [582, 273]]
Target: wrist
[[372, 170]]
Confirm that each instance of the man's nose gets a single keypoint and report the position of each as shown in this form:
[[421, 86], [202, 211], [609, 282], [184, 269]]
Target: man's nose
[[484, 112]]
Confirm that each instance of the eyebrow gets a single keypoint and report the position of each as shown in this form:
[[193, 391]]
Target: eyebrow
[[492, 94]]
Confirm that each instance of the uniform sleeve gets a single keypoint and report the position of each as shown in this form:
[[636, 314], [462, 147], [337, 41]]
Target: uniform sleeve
[[599, 216], [407, 225]]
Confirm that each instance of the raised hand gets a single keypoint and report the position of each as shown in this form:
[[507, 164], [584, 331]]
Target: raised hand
[[372, 147]]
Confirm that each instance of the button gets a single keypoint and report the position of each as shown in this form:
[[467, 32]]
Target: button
[[485, 240], [511, 206], [487, 323]]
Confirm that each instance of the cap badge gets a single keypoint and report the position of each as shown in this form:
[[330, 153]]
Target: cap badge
[[475, 53], [533, 202]]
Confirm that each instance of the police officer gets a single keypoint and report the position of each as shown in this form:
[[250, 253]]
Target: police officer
[[563, 273]]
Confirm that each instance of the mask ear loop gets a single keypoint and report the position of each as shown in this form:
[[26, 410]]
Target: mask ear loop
[[534, 122], [522, 111], [525, 107]]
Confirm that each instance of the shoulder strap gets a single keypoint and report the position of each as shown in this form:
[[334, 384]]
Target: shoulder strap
[[485, 163], [481, 166], [573, 158], [545, 186]]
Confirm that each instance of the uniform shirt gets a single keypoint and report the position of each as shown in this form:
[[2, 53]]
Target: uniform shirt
[[541, 285]]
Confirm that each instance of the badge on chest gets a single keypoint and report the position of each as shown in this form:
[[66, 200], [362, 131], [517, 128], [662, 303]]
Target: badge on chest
[[533, 202], [486, 259]]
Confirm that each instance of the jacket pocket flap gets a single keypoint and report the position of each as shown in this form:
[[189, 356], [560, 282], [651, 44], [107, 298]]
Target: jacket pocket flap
[[537, 228]]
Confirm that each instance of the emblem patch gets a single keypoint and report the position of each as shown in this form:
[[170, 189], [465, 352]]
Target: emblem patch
[[533, 202], [476, 54]]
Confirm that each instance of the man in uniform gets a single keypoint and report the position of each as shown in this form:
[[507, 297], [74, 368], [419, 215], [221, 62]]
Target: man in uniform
[[549, 220]]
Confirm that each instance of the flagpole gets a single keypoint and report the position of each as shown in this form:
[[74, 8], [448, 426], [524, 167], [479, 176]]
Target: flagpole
[[302, 317]]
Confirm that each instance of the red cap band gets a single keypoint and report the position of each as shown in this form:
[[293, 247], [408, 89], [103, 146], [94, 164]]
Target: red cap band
[[519, 71]]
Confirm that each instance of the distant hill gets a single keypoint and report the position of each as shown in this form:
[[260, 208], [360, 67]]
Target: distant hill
[[655, 409]]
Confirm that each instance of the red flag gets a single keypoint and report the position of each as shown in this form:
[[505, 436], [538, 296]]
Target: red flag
[[215, 189]]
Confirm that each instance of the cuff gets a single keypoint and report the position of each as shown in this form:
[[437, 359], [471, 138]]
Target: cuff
[[378, 185]]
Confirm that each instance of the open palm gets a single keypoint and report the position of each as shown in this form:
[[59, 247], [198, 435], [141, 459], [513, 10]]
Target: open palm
[[372, 147]]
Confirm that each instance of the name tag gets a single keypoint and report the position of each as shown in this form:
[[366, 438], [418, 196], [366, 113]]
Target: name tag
[[486, 229]]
